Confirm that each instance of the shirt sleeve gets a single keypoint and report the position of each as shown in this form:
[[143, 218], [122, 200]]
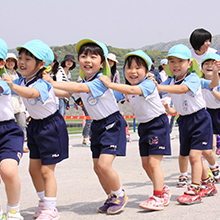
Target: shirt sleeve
[[118, 96], [96, 87], [43, 87], [4, 88], [205, 84], [147, 87], [192, 82]]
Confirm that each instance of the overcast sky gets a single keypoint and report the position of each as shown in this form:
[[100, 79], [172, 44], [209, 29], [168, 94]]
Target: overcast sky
[[118, 23]]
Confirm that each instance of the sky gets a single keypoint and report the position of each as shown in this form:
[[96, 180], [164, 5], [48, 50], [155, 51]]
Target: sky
[[117, 23]]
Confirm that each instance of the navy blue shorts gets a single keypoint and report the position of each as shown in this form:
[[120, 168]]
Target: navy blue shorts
[[11, 140], [195, 132], [155, 137], [108, 136], [215, 116], [48, 139]]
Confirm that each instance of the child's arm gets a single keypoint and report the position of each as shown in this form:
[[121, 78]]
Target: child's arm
[[73, 87], [216, 94], [215, 77], [28, 93], [170, 110], [61, 93], [176, 89], [122, 88]]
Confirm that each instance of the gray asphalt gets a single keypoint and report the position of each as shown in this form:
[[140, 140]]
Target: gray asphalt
[[80, 194]]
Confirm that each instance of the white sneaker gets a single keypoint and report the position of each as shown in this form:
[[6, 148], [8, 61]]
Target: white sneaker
[[13, 215], [39, 209]]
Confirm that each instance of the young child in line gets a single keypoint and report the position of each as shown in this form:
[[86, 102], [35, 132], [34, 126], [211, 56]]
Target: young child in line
[[11, 145], [153, 130], [47, 133], [194, 122], [108, 138]]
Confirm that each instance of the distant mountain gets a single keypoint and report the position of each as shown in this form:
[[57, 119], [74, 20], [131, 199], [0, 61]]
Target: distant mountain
[[166, 46]]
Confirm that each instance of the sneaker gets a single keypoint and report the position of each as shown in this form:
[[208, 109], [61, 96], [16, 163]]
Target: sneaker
[[2, 216], [117, 204], [106, 205], [207, 189], [39, 209], [128, 138], [25, 149], [216, 174], [86, 143], [153, 203], [182, 181], [13, 215], [166, 195], [217, 152], [191, 196], [49, 214]]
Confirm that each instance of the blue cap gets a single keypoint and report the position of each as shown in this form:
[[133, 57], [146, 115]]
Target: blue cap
[[141, 54], [3, 49], [180, 51], [40, 50], [211, 56], [106, 69]]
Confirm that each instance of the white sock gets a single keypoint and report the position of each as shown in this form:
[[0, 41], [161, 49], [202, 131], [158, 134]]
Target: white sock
[[50, 202], [184, 174], [41, 195], [119, 192], [213, 166], [14, 207]]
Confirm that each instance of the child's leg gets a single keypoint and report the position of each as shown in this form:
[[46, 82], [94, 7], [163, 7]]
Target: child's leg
[[195, 158], [35, 172], [183, 163], [145, 165], [110, 175], [9, 173], [156, 171]]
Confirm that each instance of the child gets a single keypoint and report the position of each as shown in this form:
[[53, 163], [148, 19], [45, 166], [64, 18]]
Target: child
[[154, 125], [194, 122], [209, 68], [108, 127], [11, 145], [47, 133]]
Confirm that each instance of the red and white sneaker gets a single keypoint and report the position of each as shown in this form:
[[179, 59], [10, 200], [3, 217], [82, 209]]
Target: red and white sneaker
[[48, 214], [166, 195], [207, 189], [191, 196], [153, 203]]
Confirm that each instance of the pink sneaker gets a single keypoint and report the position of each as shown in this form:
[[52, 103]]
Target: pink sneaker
[[39, 209], [166, 195], [48, 214], [153, 203]]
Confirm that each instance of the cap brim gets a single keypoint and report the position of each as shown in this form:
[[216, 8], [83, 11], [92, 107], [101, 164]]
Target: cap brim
[[194, 67]]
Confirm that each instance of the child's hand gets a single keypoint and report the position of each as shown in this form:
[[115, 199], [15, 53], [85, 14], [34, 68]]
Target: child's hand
[[151, 76], [7, 79], [216, 66], [166, 106], [106, 81], [47, 77]]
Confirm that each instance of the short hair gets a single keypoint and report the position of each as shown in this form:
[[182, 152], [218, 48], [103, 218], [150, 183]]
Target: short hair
[[93, 49], [198, 38]]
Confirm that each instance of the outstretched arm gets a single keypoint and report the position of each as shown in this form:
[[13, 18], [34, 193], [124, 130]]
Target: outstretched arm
[[176, 89], [25, 92], [73, 87], [215, 77], [169, 110], [122, 88], [216, 94]]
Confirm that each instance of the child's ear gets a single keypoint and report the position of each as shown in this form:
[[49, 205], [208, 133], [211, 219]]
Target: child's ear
[[102, 65], [42, 64], [190, 63], [2, 63]]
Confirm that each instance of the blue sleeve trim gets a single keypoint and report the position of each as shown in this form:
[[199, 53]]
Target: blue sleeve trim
[[147, 86]]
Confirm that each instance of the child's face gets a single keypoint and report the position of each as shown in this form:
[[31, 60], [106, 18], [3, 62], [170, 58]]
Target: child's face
[[207, 68], [89, 64], [68, 63], [27, 65], [135, 74], [205, 46], [10, 63], [178, 67]]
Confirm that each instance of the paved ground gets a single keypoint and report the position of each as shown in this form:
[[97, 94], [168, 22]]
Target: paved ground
[[79, 192]]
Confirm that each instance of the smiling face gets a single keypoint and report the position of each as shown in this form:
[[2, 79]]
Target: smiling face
[[89, 63], [27, 65], [68, 63], [178, 67], [135, 73], [207, 68], [10, 63]]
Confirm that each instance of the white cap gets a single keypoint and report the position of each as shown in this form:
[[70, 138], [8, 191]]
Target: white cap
[[11, 55], [164, 62]]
